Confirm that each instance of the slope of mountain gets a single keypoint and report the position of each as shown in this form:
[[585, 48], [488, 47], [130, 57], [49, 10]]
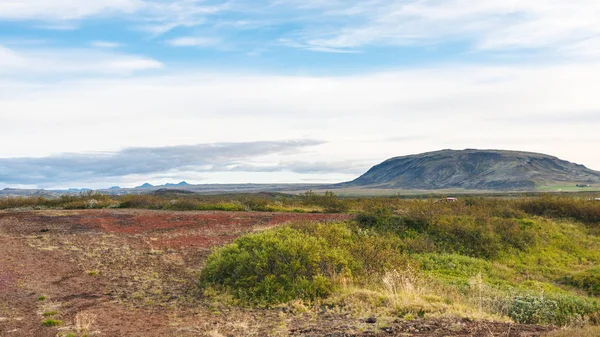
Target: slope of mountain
[[474, 170]]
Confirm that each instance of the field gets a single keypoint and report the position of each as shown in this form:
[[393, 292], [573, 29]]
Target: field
[[125, 272], [477, 267]]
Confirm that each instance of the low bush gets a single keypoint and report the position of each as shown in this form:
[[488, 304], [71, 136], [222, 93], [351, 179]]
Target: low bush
[[448, 232], [556, 309], [562, 207], [328, 201], [372, 253], [588, 280], [275, 267]]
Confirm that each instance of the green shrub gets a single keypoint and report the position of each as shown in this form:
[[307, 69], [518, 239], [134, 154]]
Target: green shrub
[[371, 253], [328, 200], [562, 207], [257, 204], [588, 280], [275, 267], [444, 231], [182, 205], [556, 309]]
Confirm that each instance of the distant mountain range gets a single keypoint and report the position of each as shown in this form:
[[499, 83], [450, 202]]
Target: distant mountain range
[[469, 170], [148, 185], [474, 170]]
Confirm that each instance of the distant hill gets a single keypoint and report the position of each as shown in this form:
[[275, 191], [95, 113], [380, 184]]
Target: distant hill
[[474, 170], [145, 185], [181, 184]]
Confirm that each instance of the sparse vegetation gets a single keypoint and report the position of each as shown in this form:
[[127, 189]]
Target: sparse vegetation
[[592, 331], [52, 322], [262, 202], [93, 272], [527, 259]]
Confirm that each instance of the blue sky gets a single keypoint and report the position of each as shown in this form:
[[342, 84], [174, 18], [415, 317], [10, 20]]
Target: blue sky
[[348, 83]]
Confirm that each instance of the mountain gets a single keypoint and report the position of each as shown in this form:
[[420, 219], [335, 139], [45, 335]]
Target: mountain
[[474, 170], [145, 185], [183, 183]]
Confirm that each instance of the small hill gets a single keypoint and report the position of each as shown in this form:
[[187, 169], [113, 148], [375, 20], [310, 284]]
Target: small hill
[[474, 170]]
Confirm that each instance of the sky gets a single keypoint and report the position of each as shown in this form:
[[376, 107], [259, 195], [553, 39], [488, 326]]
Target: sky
[[99, 93]]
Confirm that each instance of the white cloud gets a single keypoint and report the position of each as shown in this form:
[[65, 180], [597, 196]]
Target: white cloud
[[363, 118], [64, 9], [9, 58], [105, 44], [40, 62], [158, 16], [189, 41], [489, 24], [563, 26]]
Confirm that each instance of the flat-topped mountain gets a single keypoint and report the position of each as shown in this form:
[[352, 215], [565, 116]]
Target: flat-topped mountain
[[475, 170]]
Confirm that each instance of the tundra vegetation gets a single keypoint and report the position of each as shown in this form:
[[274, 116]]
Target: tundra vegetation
[[527, 259], [530, 260]]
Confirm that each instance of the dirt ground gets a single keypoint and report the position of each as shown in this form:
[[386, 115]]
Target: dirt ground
[[133, 272]]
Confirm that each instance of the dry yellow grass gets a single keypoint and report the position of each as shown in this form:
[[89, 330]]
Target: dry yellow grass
[[592, 331]]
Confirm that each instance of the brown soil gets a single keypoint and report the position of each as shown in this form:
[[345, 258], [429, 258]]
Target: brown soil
[[133, 272]]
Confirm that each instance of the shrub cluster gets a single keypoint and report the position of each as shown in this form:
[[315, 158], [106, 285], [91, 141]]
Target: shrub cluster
[[260, 202], [482, 250], [328, 201], [81, 201], [557, 309], [301, 261], [276, 266], [581, 209], [457, 229], [588, 280]]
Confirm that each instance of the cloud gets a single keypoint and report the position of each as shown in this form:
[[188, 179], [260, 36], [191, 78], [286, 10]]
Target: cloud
[[71, 61], [491, 25], [64, 9], [105, 44], [363, 118], [158, 16], [353, 167], [568, 28], [88, 167], [564, 117], [192, 42]]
